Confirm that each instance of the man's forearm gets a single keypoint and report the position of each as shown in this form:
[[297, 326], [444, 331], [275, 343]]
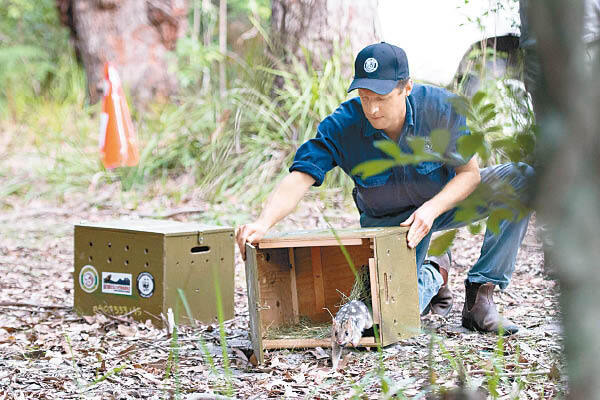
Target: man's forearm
[[285, 198], [458, 188]]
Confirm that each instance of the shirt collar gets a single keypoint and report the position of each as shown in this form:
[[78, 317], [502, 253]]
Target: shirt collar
[[409, 120]]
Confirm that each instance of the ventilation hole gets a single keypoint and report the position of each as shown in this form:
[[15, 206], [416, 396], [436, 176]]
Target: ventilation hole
[[177, 263], [127, 248], [109, 244], [191, 262], [388, 252], [268, 257], [90, 258], [207, 260], [146, 264], [277, 303], [200, 249], [126, 262], [145, 251], [222, 259], [91, 244], [395, 322], [109, 260]]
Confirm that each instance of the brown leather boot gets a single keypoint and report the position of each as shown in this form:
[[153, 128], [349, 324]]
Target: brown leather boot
[[442, 302], [479, 312]]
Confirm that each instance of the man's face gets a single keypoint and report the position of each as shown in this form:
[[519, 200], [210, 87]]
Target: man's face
[[385, 112]]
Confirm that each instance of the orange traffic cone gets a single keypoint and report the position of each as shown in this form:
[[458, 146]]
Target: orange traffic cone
[[118, 140]]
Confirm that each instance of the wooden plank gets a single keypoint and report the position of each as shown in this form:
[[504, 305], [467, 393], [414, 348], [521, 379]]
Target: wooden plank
[[305, 283], [310, 343], [374, 291], [275, 288], [309, 243], [397, 289], [326, 234], [253, 302], [317, 272], [294, 289]]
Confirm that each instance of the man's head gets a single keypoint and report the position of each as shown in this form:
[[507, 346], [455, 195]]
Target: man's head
[[382, 79]]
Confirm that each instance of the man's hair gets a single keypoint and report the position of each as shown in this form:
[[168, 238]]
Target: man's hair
[[402, 83]]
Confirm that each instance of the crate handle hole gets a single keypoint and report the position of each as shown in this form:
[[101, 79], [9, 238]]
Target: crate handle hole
[[200, 249]]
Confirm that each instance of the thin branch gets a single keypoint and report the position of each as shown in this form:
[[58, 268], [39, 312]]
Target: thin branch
[[19, 304], [509, 374]]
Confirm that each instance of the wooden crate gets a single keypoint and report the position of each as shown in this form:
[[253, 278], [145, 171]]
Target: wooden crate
[[138, 266], [298, 275]]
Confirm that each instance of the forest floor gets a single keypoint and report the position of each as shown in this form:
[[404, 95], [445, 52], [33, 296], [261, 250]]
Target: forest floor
[[48, 351]]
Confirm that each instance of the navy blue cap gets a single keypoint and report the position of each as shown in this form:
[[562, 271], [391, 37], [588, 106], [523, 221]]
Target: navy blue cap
[[379, 67]]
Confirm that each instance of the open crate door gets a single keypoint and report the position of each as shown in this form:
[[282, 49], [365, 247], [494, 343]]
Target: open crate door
[[253, 303], [398, 292]]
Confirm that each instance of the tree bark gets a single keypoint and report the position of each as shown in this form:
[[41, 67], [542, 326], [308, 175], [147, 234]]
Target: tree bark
[[569, 190], [318, 25], [135, 35]]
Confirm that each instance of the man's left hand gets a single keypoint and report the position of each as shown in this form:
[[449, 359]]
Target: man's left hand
[[420, 223]]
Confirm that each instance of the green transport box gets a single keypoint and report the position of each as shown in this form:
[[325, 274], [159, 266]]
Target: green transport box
[[136, 267]]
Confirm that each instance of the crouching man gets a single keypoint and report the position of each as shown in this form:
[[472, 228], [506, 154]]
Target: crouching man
[[422, 196]]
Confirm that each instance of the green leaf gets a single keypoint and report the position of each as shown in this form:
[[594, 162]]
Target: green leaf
[[495, 128], [487, 108], [372, 167], [526, 142], [498, 216], [465, 214], [440, 138], [440, 244], [489, 116], [461, 105], [477, 97], [474, 229], [390, 148], [417, 144], [469, 145]]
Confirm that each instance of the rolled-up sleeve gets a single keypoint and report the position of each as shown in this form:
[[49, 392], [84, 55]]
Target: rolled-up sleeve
[[316, 157]]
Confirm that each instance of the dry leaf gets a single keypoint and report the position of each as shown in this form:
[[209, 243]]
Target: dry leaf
[[126, 330]]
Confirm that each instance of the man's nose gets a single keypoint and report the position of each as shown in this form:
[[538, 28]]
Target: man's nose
[[374, 109]]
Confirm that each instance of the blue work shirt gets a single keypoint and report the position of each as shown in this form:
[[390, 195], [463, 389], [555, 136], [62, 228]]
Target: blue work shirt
[[345, 139]]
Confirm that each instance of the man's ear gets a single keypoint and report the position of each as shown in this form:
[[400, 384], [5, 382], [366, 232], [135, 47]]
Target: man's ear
[[408, 87]]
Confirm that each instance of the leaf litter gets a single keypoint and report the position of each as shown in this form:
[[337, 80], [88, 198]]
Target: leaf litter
[[48, 351]]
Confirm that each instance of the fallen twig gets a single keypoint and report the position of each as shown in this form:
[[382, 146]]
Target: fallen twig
[[509, 374], [209, 397], [18, 304], [120, 318], [173, 213]]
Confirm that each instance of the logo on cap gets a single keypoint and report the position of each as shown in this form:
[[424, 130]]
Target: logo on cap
[[371, 65]]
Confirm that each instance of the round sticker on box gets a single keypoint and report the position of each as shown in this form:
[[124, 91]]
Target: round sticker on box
[[145, 284], [88, 279]]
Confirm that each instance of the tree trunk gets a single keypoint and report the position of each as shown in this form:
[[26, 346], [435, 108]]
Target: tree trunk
[[318, 25], [569, 189], [135, 35]]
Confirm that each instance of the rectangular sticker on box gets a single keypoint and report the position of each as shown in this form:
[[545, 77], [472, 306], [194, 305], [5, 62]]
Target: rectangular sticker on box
[[116, 283]]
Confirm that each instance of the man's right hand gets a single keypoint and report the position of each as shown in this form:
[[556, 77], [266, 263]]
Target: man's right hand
[[249, 233]]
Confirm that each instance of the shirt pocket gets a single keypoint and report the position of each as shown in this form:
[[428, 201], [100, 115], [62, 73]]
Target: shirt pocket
[[375, 195], [429, 179]]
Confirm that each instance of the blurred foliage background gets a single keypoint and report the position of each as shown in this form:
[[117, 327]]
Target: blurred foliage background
[[227, 146]]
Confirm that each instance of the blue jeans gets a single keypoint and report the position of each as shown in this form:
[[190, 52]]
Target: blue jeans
[[498, 253]]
